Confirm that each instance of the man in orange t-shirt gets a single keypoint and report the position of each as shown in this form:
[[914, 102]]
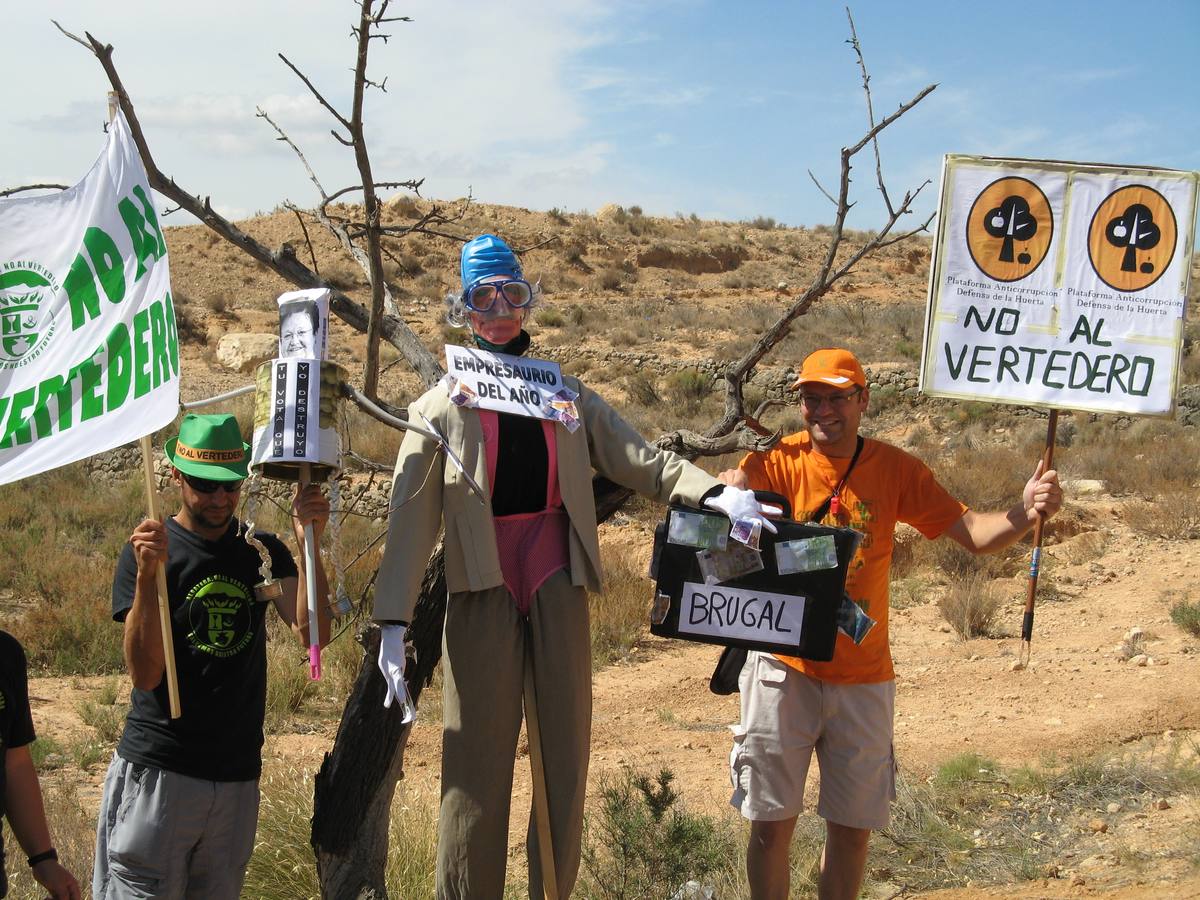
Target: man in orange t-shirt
[[843, 708]]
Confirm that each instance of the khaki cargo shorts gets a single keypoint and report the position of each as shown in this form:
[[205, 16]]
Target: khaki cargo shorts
[[785, 717]]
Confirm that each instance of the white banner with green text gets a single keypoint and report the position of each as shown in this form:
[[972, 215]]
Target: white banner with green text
[[89, 353], [1059, 284]]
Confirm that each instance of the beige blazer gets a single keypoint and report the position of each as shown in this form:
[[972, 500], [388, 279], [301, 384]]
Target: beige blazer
[[428, 490]]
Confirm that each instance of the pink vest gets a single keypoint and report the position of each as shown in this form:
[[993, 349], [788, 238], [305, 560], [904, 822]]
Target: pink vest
[[533, 546]]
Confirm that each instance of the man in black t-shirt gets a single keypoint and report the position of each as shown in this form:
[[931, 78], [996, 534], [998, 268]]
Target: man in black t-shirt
[[180, 804], [20, 794]]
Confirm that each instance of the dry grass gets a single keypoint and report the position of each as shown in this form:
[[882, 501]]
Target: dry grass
[[620, 615], [282, 867], [72, 830], [971, 606], [80, 523], [1175, 517], [294, 701], [1150, 458]]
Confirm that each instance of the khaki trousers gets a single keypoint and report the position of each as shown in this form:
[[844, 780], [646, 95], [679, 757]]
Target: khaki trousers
[[483, 649]]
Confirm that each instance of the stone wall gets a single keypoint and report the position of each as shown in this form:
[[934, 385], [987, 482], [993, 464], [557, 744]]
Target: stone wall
[[889, 382]]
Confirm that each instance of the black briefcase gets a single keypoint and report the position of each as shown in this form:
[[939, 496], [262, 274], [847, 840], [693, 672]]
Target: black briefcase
[[707, 588]]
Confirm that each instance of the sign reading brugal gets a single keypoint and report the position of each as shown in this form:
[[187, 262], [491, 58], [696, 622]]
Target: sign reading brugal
[[725, 611]]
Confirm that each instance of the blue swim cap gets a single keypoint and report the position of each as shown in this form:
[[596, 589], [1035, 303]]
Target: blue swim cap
[[485, 256]]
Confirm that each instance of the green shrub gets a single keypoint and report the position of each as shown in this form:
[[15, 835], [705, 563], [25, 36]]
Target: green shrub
[[642, 843], [642, 389], [551, 318], [47, 753], [689, 386], [965, 767], [1186, 615], [107, 720]]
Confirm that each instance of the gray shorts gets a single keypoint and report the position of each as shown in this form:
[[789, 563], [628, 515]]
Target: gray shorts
[[785, 717], [165, 835]]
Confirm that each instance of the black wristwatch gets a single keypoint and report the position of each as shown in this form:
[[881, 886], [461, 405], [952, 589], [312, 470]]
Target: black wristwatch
[[42, 857]]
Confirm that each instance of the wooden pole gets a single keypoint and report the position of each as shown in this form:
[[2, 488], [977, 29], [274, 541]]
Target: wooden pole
[[541, 807], [164, 606], [310, 578], [155, 510], [1036, 562]]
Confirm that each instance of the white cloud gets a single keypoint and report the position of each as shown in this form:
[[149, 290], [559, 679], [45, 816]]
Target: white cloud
[[1091, 76], [233, 213], [670, 96]]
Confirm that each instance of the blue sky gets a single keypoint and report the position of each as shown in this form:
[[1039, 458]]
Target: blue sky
[[716, 108]]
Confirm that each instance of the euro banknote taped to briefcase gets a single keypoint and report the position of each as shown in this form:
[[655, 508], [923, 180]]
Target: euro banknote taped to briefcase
[[782, 597]]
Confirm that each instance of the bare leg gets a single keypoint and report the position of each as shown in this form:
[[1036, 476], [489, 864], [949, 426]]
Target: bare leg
[[843, 861], [767, 858]]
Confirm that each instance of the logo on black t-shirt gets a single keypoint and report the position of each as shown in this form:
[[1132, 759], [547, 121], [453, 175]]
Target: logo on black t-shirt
[[219, 615]]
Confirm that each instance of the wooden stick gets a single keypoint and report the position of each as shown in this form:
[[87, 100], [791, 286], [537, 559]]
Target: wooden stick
[[541, 807], [164, 606], [155, 510], [310, 578], [1036, 563]]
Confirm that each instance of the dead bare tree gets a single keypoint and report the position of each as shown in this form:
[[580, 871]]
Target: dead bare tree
[[370, 23], [355, 785]]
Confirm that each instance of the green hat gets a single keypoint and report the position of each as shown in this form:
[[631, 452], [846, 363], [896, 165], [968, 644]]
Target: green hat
[[209, 447]]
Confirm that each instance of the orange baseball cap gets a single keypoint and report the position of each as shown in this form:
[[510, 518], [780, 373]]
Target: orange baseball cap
[[831, 365]]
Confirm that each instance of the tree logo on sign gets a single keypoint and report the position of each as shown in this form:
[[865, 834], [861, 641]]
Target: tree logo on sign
[[1009, 229], [1131, 240], [24, 288]]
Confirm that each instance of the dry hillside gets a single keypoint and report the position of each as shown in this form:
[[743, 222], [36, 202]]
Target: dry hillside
[[632, 302]]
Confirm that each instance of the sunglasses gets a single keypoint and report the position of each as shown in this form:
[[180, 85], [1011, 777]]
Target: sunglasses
[[208, 486], [482, 297], [837, 401]]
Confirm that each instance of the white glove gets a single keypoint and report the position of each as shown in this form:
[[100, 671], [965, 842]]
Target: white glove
[[391, 664], [739, 504]]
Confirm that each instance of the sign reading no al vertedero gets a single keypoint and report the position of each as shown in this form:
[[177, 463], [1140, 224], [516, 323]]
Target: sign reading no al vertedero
[[1059, 284], [89, 355]]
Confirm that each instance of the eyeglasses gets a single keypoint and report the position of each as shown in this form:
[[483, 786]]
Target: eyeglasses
[[208, 486], [482, 297], [837, 401]]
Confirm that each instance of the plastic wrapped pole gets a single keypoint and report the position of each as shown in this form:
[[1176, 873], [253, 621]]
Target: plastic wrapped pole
[[310, 580]]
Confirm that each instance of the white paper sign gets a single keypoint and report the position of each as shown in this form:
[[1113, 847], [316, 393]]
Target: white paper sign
[[1059, 284], [504, 383], [89, 354], [294, 416], [304, 324], [722, 611]]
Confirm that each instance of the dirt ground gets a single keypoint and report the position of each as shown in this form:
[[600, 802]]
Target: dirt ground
[[954, 696], [654, 708]]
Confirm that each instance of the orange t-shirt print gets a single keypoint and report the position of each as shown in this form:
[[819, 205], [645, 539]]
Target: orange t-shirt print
[[887, 486]]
